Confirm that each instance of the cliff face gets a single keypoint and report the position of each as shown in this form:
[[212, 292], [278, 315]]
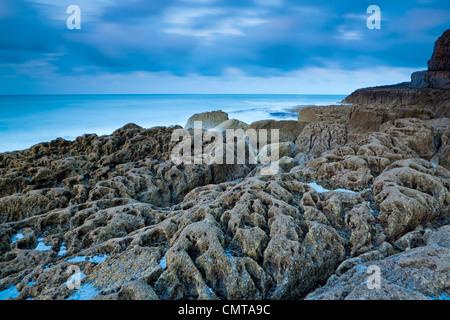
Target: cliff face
[[431, 79], [436, 101], [440, 60], [438, 74], [429, 89]]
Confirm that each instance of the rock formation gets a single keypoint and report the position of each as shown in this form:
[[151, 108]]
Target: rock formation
[[209, 119], [420, 273], [359, 186], [428, 90], [438, 74], [440, 60]]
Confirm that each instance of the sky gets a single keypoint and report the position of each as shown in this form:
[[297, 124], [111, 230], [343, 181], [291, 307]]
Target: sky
[[213, 46]]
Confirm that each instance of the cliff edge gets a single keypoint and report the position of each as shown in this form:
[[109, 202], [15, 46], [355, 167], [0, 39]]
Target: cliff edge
[[429, 89]]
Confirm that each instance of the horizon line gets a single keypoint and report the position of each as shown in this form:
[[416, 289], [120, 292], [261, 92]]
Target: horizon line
[[156, 94]]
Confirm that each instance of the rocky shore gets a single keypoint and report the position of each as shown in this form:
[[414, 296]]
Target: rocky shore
[[362, 184]]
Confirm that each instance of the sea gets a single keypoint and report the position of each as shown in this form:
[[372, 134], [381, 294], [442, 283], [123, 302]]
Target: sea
[[30, 119]]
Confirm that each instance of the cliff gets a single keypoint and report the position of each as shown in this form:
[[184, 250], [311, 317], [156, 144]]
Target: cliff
[[428, 89]]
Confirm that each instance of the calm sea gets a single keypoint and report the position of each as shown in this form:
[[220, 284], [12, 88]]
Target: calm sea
[[28, 120]]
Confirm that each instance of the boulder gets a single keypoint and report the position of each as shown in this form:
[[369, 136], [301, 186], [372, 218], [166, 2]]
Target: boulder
[[209, 119], [364, 119], [287, 163], [414, 134], [308, 115], [268, 152], [288, 130], [231, 124], [411, 193], [317, 138]]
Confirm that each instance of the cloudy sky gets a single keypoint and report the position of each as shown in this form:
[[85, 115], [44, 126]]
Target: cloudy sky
[[213, 46]]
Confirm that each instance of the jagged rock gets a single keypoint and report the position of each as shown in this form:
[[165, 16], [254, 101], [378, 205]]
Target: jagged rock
[[414, 134], [444, 152], [20, 206], [287, 163], [413, 239], [133, 268], [275, 151], [288, 130], [308, 115], [410, 193], [137, 290], [365, 119], [369, 118], [316, 138], [336, 114], [383, 251], [360, 224], [440, 60], [417, 274], [341, 167], [427, 90], [174, 230], [431, 79]]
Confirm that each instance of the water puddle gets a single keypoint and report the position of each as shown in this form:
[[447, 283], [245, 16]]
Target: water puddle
[[62, 251], [41, 246], [321, 189], [93, 259], [162, 263], [86, 292], [9, 293], [16, 237]]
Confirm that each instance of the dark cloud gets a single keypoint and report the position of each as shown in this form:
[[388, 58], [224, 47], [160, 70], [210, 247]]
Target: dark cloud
[[24, 28], [129, 11], [259, 38]]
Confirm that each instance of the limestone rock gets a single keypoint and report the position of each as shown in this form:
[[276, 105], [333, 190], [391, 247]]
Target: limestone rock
[[308, 115], [410, 193], [431, 79], [209, 119], [287, 163], [317, 138], [440, 60], [417, 274], [288, 130], [336, 113], [231, 124], [365, 119], [413, 134], [427, 89], [275, 151], [140, 226]]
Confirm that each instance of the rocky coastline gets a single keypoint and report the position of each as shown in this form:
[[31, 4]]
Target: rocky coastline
[[362, 184]]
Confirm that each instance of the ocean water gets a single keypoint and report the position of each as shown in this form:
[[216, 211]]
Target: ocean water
[[28, 120]]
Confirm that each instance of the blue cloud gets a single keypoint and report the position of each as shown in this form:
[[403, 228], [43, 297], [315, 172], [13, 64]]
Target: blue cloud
[[260, 38]]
